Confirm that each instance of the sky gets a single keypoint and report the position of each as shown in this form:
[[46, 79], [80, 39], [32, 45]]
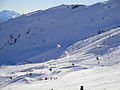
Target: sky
[[26, 6]]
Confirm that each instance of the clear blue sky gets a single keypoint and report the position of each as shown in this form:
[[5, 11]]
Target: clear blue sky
[[25, 6]]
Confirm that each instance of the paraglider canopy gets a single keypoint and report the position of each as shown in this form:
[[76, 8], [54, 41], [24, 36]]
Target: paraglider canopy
[[58, 46]]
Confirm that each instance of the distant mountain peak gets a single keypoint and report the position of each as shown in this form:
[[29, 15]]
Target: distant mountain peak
[[8, 14]]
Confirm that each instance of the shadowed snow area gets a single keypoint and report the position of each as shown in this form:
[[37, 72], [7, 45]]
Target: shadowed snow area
[[37, 34]]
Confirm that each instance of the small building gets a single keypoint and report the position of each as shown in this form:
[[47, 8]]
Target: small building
[[58, 46]]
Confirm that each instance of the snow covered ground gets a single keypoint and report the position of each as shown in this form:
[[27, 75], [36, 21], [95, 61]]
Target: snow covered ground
[[105, 78], [93, 63], [64, 55]]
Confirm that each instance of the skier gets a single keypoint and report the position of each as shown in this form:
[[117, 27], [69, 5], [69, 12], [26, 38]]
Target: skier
[[81, 88]]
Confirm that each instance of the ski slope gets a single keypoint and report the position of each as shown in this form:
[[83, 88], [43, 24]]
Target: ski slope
[[79, 67], [92, 79]]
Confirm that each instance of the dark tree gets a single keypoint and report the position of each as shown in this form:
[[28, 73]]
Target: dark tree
[[15, 40], [43, 41], [50, 69], [73, 64], [99, 32], [97, 58], [19, 36], [10, 77], [28, 31], [92, 19], [46, 78], [11, 37], [30, 74]]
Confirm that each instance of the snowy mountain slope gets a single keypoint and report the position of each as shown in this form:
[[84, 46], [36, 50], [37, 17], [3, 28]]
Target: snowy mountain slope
[[92, 79], [100, 50], [37, 34], [79, 67], [7, 14], [104, 46]]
